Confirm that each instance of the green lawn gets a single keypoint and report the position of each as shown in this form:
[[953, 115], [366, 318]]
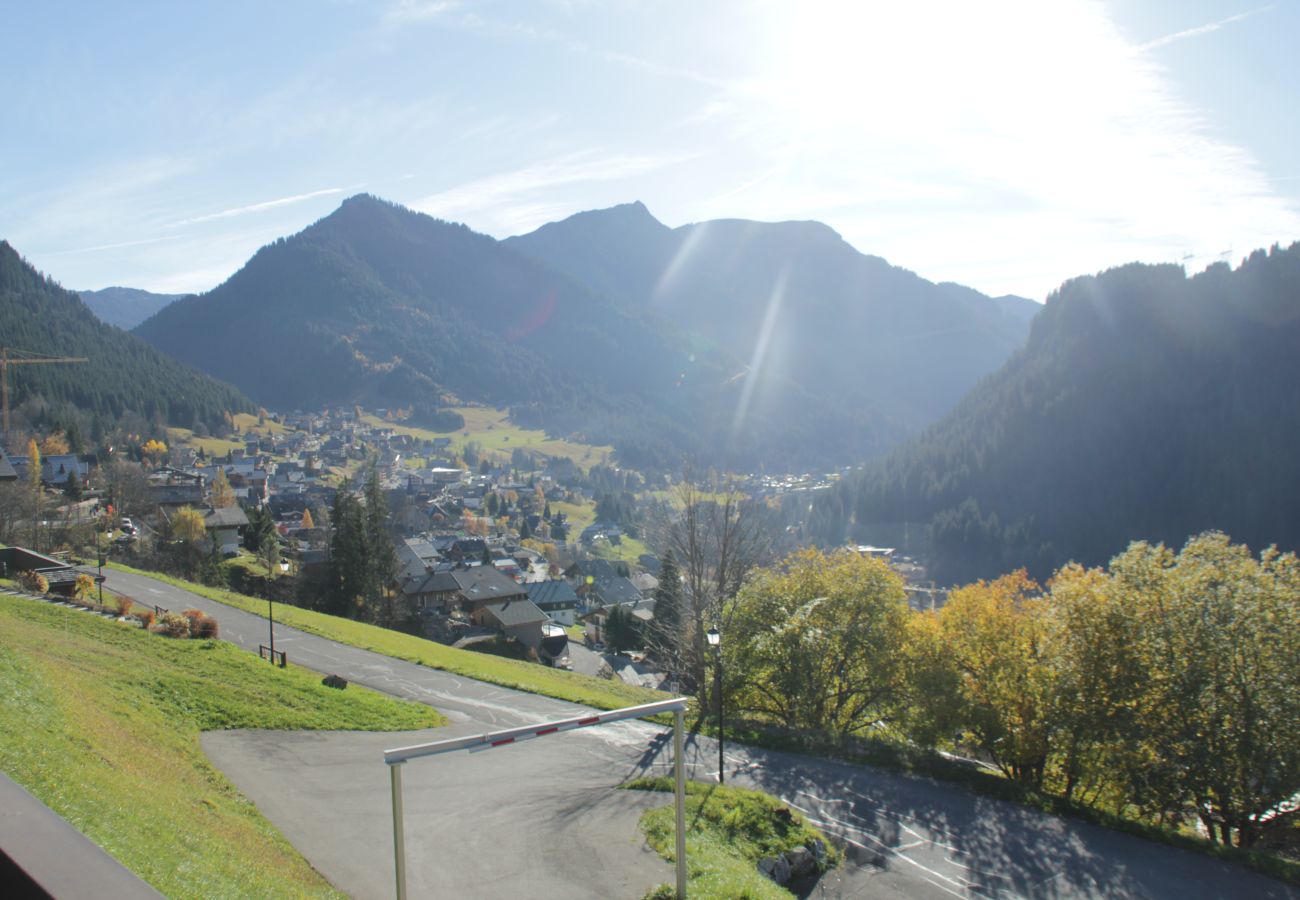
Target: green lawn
[[101, 721], [559, 683], [728, 830], [492, 429]]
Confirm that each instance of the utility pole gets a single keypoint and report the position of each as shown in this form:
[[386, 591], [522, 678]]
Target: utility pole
[[30, 360]]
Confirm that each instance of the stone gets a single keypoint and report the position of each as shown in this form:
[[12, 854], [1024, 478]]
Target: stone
[[781, 872], [801, 861], [335, 681]]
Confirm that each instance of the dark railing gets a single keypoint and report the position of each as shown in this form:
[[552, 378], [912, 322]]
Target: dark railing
[[277, 657]]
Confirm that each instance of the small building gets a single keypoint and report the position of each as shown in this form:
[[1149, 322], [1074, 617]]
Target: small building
[[555, 598]]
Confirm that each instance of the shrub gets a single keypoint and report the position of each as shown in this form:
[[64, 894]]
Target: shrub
[[173, 625], [83, 587], [335, 681], [146, 618], [34, 582], [123, 604], [205, 628]]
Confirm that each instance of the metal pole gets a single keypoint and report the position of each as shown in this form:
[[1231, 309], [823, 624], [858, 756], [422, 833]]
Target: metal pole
[[719, 713], [270, 626], [680, 772], [399, 838]]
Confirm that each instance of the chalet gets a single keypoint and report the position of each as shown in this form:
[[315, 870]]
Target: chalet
[[555, 598], [516, 618], [225, 526]]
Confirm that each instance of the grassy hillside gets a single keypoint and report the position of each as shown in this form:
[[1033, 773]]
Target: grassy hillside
[[101, 722], [524, 676]]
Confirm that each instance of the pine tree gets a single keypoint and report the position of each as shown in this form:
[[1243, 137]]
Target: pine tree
[[664, 635]]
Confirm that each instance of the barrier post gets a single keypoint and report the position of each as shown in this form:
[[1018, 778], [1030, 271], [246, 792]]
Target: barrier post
[[680, 792], [399, 837]]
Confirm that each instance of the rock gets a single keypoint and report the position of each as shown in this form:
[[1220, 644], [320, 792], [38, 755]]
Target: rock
[[818, 848], [766, 866], [335, 681], [781, 872], [801, 861]]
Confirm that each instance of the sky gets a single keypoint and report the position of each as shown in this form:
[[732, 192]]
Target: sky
[[1007, 145]]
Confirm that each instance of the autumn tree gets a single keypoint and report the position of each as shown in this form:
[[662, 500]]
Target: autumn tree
[[154, 451], [307, 522], [815, 642], [222, 495], [997, 635], [55, 444]]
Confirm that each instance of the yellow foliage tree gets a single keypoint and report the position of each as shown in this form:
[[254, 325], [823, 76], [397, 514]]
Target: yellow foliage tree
[[154, 450], [55, 444], [307, 519], [222, 495], [187, 525]]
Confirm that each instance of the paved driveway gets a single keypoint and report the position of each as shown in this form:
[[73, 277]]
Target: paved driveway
[[543, 819]]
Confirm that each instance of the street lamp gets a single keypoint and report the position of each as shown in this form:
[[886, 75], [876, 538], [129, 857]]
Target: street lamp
[[715, 641]]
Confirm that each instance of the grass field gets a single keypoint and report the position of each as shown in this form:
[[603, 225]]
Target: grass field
[[728, 831], [101, 721], [536, 679], [492, 430]]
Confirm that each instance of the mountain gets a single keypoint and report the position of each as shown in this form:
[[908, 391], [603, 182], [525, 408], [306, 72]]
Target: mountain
[[124, 375], [381, 305], [797, 300], [1145, 405], [125, 307]]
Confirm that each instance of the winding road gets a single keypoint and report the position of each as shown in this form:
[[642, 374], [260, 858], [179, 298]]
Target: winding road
[[543, 818]]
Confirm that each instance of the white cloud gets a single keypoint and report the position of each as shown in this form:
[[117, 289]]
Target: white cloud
[[259, 207], [508, 202], [1200, 29]]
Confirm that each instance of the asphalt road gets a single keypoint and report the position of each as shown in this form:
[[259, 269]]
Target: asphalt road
[[543, 818]]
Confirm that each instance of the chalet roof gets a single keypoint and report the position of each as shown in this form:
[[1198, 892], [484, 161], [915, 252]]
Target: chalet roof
[[484, 584], [226, 517], [512, 613], [552, 594], [7, 472], [615, 591]]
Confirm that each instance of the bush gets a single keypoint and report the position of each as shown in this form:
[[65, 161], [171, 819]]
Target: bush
[[146, 618], [123, 604], [193, 617], [84, 587], [205, 628], [173, 625], [335, 681], [34, 582]]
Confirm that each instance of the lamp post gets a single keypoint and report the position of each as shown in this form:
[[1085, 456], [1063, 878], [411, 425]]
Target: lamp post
[[715, 641]]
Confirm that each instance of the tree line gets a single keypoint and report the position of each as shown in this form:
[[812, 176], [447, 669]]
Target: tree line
[[1146, 405], [1164, 685]]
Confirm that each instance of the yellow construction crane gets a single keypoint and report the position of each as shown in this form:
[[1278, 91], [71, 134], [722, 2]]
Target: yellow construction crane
[[25, 360]]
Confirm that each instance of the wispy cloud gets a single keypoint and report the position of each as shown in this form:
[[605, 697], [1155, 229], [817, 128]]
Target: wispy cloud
[[120, 245], [1201, 29], [258, 207], [521, 187], [405, 12]]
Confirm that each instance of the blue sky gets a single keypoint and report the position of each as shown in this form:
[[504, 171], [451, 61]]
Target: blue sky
[[1005, 145]]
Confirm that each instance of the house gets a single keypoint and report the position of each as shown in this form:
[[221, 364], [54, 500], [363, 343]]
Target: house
[[226, 526], [7, 471], [616, 591], [517, 618], [57, 468], [468, 589], [555, 598]]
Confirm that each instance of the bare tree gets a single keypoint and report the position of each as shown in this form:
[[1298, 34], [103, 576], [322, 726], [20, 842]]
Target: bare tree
[[717, 536]]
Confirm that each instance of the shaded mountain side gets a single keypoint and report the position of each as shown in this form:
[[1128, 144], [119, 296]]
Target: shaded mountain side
[[797, 299], [1146, 405], [124, 374], [125, 307], [378, 304]]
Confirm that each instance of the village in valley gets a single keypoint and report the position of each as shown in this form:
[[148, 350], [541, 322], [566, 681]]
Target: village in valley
[[536, 551]]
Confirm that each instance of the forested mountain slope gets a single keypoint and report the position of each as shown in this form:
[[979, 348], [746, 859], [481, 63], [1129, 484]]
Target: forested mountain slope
[[1146, 405], [795, 297], [381, 305], [125, 307], [124, 374]]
